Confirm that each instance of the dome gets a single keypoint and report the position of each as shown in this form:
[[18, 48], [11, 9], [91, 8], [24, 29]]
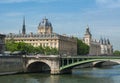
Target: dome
[[45, 27], [45, 23]]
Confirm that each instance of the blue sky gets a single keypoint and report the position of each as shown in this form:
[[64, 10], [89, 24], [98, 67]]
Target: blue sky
[[67, 16]]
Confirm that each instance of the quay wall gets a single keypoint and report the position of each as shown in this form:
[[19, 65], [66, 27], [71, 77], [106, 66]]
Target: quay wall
[[11, 64]]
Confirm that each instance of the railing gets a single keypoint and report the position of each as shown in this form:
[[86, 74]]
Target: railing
[[90, 56]]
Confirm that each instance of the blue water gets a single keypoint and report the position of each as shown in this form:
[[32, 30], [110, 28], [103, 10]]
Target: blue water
[[86, 75]]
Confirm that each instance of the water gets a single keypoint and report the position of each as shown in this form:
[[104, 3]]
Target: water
[[87, 75]]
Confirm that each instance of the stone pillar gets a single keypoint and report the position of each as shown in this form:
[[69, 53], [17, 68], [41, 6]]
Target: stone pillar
[[25, 62], [55, 65]]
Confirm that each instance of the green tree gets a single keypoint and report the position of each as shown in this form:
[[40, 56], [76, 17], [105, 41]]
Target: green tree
[[54, 51], [47, 50], [116, 52], [22, 46], [28, 49], [39, 50], [82, 48], [11, 46]]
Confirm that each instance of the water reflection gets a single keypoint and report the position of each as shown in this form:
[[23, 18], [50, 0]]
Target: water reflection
[[100, 75], [87, 75], [38, 78]]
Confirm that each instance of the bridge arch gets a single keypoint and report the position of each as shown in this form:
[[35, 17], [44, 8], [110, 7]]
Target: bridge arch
[[38, 66], [105, 63], [98, 61]]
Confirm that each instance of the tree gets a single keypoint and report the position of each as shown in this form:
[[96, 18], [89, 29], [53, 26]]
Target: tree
[[29, 49], [11, 46], [54, 51], [82, 48], [47, 50], [39, 50], [116, 52], [21, 46]]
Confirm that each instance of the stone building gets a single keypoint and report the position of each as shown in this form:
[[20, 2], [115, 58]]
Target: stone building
[[45, 27], [46, 37], [101, 47], [106, 47], [2, 43], [95, 48]]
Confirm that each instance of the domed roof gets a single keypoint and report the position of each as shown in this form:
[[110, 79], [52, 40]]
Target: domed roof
[[45, 23]]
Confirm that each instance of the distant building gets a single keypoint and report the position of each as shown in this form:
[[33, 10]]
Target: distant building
[[101, 47], [2, 43], [45, 27], [106, 47], [46, 37]]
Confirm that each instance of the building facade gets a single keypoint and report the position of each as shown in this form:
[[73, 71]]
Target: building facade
[[101, 47], [46, 37], [106, 47], [2, 43]]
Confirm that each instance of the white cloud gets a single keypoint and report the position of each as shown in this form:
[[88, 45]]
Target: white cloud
[[20, 1], [109, 3]]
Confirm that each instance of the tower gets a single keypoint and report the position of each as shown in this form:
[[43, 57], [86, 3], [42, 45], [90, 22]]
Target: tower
[[106, 47], [23, 27], [103, 46], [45, 27], [109, 47], [87, 36]]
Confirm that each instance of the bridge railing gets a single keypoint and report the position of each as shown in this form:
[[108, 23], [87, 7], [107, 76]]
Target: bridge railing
[[73, 60]]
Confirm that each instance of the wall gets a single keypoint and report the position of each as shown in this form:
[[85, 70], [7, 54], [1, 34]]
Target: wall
[[17, 64], [2, 43], [11, 64]]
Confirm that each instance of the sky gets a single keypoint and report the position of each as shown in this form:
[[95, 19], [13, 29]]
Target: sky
[[69, 17]]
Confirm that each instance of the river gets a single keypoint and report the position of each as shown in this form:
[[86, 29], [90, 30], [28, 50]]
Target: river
[[86, 75]]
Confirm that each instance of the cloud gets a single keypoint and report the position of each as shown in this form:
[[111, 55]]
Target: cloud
[[21, 1], [109, 3]]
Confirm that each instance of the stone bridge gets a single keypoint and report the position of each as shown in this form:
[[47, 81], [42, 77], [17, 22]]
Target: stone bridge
[[58, 65], [42, 64], [53, 64]]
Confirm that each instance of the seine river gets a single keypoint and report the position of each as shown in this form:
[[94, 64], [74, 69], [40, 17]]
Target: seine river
[[86, 75]]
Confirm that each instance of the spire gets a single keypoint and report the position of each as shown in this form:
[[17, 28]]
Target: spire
[[23, 28], [105, 42], [101, 41], [108, 41], [24, 20], [88, 31]]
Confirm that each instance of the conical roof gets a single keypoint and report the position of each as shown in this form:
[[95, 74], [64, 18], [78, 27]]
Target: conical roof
[[87, 31]]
